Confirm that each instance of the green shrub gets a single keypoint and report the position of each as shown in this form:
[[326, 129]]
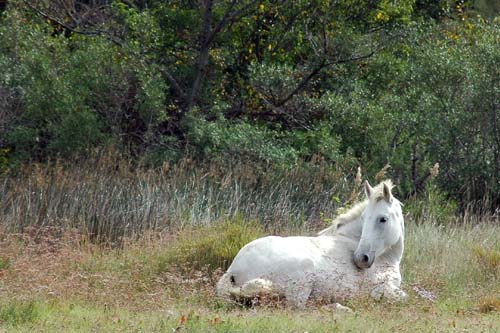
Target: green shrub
[[77, 131], [433, 206], [209, 247], [74, 93], [224, 139]]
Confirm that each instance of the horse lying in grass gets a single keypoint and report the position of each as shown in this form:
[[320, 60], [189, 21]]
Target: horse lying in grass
[[358, 255]]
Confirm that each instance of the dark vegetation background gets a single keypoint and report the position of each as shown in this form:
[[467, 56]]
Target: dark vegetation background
[[285, 88]]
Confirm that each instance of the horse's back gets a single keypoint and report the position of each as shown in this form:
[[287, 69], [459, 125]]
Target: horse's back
[[272, 256]]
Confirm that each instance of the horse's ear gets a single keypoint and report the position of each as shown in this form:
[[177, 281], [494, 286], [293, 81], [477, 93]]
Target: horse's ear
[[368, 189], [387, 193]]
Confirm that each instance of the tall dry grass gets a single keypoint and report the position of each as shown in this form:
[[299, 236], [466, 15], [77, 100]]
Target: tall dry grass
[[108, 197], [180, 225], [461, 260]]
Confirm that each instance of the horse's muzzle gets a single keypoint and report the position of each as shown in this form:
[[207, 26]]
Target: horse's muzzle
[[363, 260]]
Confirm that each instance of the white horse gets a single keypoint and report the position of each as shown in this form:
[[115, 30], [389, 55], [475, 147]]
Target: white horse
[[359, 254]]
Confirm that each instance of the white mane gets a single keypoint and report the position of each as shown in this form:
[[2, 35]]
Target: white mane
[[355, 211]]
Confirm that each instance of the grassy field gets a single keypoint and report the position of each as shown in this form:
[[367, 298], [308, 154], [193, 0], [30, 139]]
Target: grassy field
[[159, 276], [58, 281]]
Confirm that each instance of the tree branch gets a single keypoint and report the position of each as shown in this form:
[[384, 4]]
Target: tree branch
[[203, 55], [76, 29], [207, 36], [315, 71], [175, 84], [228, 18], [303, 83]]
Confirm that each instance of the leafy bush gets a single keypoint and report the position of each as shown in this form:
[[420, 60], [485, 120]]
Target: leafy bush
[[433, 207], [74, 93], [223, 139], [209, 247]]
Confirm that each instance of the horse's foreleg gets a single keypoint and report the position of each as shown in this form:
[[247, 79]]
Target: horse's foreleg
[[300, 285], [298, 293], [396, 294], [389, 291]]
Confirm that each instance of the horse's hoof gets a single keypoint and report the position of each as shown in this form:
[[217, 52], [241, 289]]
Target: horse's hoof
[[342, 308], [401, 296], [377, 293], [337, 308]]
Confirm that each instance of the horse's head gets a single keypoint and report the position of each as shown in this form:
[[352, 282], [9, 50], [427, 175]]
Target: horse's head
[[382, 225]]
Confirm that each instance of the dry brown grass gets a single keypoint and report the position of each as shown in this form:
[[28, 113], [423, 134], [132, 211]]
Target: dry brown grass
[[58, 265], [489, 257], [108, 197], [488, 304]]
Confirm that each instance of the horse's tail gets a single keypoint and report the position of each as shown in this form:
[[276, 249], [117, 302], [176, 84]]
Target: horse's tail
[[227, 289], [225, 286]]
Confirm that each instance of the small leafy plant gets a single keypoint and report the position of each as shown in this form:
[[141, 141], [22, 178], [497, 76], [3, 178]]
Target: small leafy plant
[[209, 247]]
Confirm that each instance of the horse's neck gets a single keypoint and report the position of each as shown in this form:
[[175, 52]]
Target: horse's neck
[[351, 229], [395, 253]]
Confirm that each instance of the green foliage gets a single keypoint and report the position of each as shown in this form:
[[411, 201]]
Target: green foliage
[[452, 124], [433, 206], [76, 92], [404, 111], [209, 247], [406, 83], [77, 131], [54, 88], [318, 141], [223, 139]]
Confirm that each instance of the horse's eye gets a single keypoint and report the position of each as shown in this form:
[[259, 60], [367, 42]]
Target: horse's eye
[[383, 219]]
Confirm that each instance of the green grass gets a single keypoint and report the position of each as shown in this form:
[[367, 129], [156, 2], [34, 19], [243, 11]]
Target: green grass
[[445, 259], [17, 313], [86, 317]]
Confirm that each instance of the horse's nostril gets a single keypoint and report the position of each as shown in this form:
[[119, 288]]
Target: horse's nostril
[[365, 258]]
